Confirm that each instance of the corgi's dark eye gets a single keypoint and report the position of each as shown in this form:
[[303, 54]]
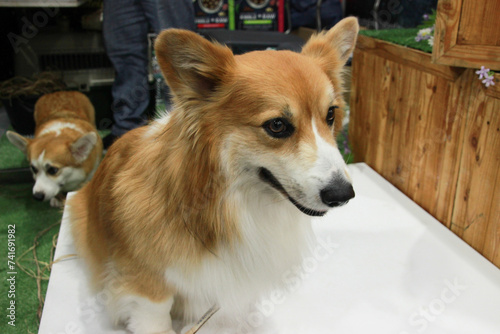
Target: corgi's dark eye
[[278, 128], [34, 169], [52, 170], [330, 116]]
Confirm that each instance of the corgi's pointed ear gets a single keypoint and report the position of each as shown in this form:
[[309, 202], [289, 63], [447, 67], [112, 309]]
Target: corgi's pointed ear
[[81, 148], [192, 66], [18, 141], [332, 48]]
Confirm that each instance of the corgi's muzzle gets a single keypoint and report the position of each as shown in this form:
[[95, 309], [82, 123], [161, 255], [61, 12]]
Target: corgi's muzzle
[[337, 193]]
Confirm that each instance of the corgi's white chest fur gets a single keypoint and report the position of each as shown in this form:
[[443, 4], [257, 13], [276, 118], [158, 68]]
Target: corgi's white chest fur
[[238, 274]]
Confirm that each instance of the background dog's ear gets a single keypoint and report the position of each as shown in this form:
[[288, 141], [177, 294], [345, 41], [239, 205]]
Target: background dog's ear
[[192, 66], [332, 48], [18, 141], [81, 148]]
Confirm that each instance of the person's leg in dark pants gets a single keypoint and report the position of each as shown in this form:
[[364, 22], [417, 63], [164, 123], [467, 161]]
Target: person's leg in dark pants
[[164, 14], [125, 28]]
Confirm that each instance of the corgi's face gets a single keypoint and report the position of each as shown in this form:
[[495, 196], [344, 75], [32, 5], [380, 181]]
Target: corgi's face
[[55, 159], [285, 136], [274, 114]]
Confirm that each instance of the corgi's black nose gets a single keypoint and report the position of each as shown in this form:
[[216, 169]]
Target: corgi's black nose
[[337, 193], [39, 196]]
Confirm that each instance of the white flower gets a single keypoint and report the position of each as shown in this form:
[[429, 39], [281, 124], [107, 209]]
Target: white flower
[[425, 34], [488, 80], [483, 72]]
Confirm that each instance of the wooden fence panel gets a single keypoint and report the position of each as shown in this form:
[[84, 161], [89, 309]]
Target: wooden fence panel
[[414, 124]]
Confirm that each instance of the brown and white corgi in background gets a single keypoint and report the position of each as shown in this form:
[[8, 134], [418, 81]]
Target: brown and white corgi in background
[[66, 149], [211, 204]]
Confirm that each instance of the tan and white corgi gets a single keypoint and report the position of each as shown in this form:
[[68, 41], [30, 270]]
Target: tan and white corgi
[[66, 149], [211, 204]]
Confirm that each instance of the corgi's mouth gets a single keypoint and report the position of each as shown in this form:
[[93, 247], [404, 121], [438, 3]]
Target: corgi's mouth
[[270, 179]]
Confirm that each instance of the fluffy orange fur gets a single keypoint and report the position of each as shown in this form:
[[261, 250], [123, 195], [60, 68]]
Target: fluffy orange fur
[[67, 106], [158, 198]]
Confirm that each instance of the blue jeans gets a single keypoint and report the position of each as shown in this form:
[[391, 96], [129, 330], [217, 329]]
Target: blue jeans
[[125, 28]]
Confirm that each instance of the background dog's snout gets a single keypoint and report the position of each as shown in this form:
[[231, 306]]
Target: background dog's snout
[[337, 193], [39, 196]]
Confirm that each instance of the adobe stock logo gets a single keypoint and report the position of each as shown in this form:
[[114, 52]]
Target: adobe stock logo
[[30, 28], [421, 319]]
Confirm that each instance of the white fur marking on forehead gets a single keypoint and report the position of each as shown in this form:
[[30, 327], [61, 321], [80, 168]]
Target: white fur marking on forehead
[[320, 142], [40, 158], [58, 126]]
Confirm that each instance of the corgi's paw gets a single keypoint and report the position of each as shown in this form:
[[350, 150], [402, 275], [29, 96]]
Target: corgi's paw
[[151, 318], [56, 203]]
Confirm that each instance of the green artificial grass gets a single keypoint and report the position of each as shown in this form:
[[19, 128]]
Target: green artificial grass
[[30, 219], [405, 37]]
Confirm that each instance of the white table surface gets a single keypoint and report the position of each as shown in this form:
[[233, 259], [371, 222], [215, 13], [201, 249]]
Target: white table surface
[[385, 266]]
